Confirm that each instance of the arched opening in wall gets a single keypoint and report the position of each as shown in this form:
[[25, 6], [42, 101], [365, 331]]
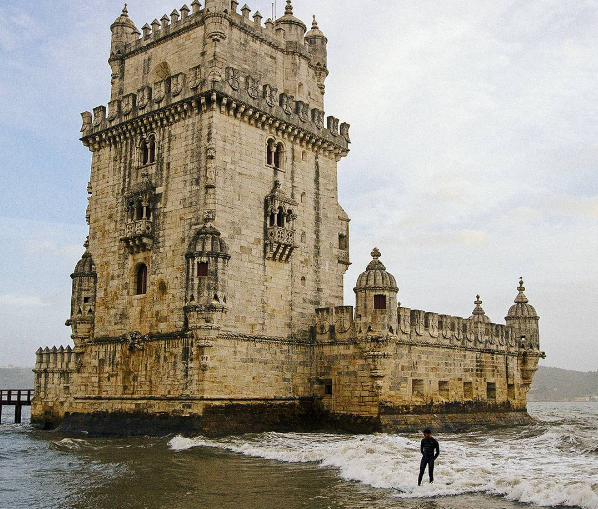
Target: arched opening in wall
[[160, 72], [144, 149], [152, 150], [131, 211], [303, 196], [379, 301], [202, 269], [303, 237], [300, 89], [303, 281], [141, 279], [280, 218], [270, 152], [278, 156], [289, 219], [139, 211]]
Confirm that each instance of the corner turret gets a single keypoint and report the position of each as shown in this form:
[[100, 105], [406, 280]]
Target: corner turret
[[523, 320], [294, 28], [317, 46], [83, 299], [124, 32], [376, 299]]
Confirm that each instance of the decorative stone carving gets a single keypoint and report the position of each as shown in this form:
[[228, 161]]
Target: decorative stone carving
[[128, 103], [270, 95], [345, 131], [177, 83], [280, 225], [253, 87], [144, 96], [417, 321], [405, 320], [303, 111], [333, 125], [233, 78], [286, 103], [317, 117], [113, 109], [159, 91], [432, 319], [99, 115], [195, 77], [138, 234], [87, 122]]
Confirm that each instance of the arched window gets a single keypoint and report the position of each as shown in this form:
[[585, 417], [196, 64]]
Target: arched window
[[278, 153], [148, 150], [280, 218], [270, 153], [139, 211], [152, 150], [141, 279], [144, 152]]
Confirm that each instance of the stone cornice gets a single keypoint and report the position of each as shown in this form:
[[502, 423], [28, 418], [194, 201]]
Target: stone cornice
[[110, 133]]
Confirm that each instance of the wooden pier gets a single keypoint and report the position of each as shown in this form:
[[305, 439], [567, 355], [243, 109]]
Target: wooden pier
[[17, 398]]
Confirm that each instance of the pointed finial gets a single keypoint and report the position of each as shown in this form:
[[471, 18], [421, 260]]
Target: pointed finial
[[314, 24], [521, 297], [478, 306], [125, 10], [289, 8], [86, 243], [376, 253]]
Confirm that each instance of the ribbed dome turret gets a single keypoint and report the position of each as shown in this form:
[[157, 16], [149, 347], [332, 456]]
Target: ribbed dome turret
[[85, 266], [522, 308], [478, 314], [208, 240], [315, 32], [289, 19], [124, 20], [375, 276]]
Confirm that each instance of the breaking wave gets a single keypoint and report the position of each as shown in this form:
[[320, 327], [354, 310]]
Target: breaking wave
[[548, 464]]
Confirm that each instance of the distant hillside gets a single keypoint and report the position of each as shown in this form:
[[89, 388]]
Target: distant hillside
[[550, 384], [16, 378], [555, 384]]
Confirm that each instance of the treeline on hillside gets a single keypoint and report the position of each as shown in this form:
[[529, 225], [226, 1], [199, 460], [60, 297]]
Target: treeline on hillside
[[16, 378], [555, 384], [550, 384]]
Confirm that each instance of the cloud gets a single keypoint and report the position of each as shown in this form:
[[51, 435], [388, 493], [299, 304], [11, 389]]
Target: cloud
[[21, 301]]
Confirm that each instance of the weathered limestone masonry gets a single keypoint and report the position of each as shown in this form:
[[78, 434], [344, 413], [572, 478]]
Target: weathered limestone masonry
[[215, 231]]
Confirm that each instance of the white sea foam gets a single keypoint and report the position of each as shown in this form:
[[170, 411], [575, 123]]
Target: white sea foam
[[545, 465]]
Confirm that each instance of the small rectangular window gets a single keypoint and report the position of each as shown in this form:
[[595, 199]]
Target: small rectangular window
[[491, 391], [379, 301], [443, 389], [86, 300], [202, 269], [328, 389], [511, 391], [468, 390], [342, 242], [417, 387]]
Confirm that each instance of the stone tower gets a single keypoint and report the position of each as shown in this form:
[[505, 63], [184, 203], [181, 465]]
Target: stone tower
[[214, 177]]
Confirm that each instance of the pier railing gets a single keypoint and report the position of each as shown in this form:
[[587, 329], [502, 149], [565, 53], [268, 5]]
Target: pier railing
[[17, 398]]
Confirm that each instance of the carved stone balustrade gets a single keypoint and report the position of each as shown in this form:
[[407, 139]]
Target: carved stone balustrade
[[281, 243], [138, 235]]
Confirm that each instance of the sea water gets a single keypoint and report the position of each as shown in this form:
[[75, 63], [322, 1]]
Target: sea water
[[553, 462]]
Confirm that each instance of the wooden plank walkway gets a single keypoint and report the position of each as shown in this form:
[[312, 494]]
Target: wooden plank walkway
[[17, 398]]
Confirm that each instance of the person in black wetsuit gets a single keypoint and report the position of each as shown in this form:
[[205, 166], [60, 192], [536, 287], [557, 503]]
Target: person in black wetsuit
[[430, 451]]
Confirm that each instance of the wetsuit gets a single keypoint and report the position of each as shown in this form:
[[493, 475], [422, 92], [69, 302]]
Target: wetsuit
[[430, 451]]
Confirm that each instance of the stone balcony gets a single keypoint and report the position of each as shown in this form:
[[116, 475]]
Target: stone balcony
[[280, 244], [138, 235]]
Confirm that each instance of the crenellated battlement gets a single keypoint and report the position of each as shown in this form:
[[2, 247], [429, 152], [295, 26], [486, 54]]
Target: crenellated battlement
[[55, 359]]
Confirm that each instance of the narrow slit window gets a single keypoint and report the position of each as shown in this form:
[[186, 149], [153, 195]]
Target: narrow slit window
[[142, 279]]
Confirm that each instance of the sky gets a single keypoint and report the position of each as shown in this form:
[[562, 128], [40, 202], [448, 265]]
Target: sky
[[473, 159]]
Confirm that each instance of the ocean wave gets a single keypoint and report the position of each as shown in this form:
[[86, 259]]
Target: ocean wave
[[547, 470]]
